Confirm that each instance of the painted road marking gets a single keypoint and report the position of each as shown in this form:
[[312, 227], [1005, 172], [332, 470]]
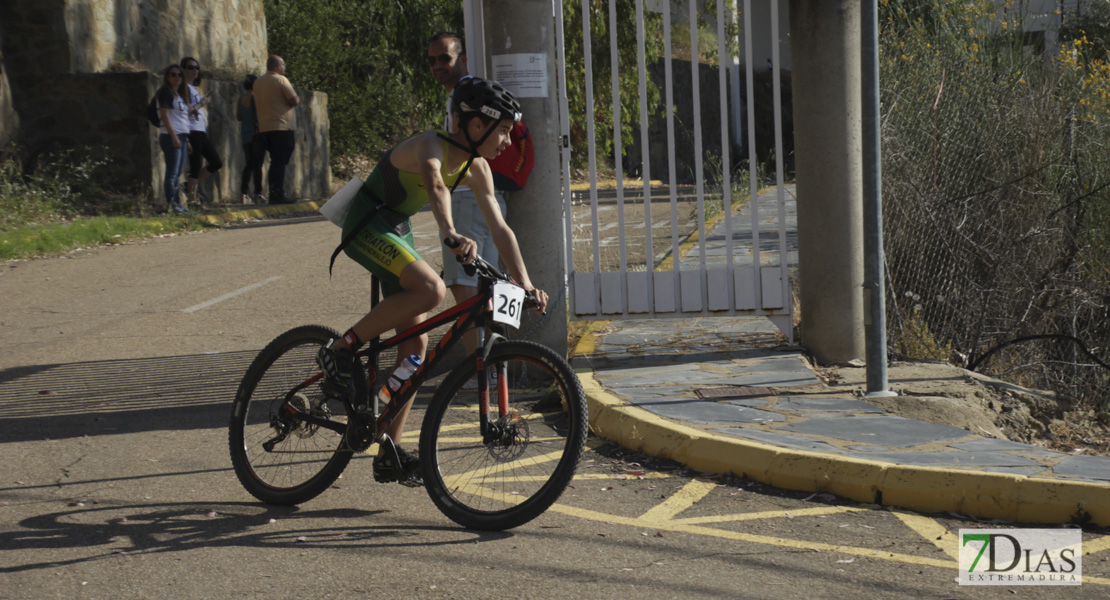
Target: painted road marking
[[1098, 545], [776, 514], [680, 501], [932, 531], [679, 527], [230, 295], [661, 518]]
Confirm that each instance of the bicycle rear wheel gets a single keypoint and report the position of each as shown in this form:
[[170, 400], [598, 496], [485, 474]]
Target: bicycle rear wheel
[[505, 481], [278, 458]]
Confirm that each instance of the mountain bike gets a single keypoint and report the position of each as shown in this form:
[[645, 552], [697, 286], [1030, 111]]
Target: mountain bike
[[492, 458]]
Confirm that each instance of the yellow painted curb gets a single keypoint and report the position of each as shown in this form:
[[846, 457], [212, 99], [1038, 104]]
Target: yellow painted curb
[[261, 212], [924, 489], [642, 431]]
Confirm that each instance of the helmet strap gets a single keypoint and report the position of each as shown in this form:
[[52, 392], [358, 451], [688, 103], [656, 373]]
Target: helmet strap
[[475, 145], [466, 168], [473, 149]]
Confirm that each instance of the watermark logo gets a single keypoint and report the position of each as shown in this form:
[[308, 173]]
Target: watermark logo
[[1021, 557]]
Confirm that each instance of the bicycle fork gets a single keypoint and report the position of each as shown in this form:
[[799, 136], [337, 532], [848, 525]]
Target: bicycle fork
[[501, 430]]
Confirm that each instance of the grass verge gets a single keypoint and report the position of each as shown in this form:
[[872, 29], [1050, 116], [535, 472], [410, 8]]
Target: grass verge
[[55, 238]]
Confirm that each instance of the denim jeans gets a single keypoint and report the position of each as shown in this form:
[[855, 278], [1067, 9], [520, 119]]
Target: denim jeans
[[175, 164]]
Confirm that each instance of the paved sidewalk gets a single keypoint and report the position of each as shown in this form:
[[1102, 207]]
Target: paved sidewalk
[[723, 395]]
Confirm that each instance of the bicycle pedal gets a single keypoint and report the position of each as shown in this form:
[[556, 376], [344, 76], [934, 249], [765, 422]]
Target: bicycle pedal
[[412, 480]]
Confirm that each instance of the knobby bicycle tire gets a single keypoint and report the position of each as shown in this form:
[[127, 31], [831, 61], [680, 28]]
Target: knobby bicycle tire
[[307, 459], [500, 484]]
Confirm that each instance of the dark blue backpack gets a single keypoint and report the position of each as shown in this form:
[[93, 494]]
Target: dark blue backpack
[[152, 112]]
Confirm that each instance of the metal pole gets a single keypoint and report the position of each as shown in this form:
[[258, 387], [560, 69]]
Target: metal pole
[[874, 283]]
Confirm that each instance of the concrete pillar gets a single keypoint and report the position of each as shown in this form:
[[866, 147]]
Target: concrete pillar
[[536, 213], [825, 45]]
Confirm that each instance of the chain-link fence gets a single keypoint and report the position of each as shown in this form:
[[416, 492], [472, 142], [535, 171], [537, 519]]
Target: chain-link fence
[[996, 191]]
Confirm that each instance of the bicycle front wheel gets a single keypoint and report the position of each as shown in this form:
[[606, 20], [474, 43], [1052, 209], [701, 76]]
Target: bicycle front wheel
[[278, 458], [522, 466]]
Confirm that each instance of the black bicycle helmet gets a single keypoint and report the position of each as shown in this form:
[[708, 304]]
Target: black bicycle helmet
[[475, 94]]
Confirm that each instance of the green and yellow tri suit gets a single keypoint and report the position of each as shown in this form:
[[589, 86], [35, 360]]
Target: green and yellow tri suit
[[385, 245]]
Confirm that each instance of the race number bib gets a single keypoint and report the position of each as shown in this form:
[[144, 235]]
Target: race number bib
[[508, 303]]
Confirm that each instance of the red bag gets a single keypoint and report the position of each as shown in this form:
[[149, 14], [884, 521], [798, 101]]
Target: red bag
[[512, 167]]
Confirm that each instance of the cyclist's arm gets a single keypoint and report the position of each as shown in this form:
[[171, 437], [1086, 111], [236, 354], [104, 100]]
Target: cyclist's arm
[[428, 154], [481, 183]]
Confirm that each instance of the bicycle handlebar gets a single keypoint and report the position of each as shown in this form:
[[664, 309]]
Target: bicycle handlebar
[[484, 269]]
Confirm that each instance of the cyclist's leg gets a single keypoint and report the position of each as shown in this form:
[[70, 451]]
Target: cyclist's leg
[[422, 290], [417, 345], [411, 288], [409, 285]]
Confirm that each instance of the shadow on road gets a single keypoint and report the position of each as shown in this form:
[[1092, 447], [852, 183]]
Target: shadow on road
[[119, 396], [167, 393], [157, 528]]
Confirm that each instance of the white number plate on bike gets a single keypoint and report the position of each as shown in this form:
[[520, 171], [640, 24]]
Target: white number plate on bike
[[508, 303]]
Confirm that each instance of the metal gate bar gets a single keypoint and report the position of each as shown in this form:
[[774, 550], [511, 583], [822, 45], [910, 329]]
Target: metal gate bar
[[730, 288]]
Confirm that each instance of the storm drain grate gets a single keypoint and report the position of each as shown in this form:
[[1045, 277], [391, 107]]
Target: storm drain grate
[[733, 391]]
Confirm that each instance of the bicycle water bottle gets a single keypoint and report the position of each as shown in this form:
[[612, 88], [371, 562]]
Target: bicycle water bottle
[[401, 375]]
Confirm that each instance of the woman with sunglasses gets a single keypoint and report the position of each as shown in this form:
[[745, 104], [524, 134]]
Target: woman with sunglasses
[[202, 147], [173, 132]]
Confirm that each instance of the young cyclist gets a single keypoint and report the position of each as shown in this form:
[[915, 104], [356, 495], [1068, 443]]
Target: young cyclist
[[421, 170]]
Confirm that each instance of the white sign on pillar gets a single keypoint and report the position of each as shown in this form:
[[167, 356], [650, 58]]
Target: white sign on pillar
[[525, 75]]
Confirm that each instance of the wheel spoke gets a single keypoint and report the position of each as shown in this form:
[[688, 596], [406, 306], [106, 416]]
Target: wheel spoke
[[280, 457], [531, 453]]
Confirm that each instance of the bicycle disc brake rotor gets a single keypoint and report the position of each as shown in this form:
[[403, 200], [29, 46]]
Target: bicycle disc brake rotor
[[311, 406], [513, 441]]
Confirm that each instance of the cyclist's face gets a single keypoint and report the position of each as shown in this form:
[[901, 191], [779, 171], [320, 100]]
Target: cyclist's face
[[497, 141], [445, 62]]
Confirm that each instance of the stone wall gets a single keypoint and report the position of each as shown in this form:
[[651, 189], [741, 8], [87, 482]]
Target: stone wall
[[9, 120], [79, 73], [222, 34]]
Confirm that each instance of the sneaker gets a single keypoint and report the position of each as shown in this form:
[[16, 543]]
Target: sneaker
[[408, 472], [246, 199], [177, 208], [259, 199], [336, 365]]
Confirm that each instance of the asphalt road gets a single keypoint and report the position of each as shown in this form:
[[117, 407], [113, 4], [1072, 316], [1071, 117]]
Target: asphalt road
[[117, 366]]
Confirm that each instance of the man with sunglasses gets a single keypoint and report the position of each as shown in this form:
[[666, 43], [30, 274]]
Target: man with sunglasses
[[447, 63], [275, 99]]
